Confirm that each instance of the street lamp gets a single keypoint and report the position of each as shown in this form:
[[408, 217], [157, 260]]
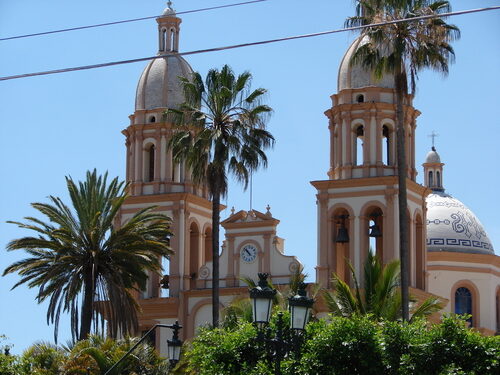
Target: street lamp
[[262, 301], [285, 342], [300, 307], [174, 345]]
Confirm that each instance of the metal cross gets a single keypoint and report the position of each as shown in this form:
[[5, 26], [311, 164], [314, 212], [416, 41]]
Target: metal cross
[[433, 135]]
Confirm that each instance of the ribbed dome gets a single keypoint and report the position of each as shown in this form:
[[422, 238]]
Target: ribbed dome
[[353, 77], [451, 226], [159, 85], [432, 157]]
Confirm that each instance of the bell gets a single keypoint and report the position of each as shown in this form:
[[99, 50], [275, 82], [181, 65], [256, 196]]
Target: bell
[[375, 231], [342, 235]]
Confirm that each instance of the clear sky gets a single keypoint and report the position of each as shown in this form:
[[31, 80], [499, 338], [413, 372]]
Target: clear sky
[[66, 124]]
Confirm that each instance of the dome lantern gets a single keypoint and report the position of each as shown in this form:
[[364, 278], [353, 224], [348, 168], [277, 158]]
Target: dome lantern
[[433, 171], [159, 86]]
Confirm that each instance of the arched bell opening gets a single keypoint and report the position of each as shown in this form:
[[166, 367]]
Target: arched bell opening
[[194, 254], [358, 145], [207, 246], [387, 141], [149, 162], [341, 237], [375, 231], [419, 253]]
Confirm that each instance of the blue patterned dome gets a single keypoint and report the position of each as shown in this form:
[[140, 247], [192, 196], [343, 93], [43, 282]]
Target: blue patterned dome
[[451, 226]]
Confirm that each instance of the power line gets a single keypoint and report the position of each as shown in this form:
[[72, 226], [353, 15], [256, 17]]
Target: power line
[[125, 21], [224, 48]]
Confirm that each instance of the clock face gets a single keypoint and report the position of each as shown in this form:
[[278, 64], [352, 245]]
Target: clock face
[[248, 253]]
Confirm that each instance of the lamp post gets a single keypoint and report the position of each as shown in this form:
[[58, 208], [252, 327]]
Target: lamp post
[[299, 306]]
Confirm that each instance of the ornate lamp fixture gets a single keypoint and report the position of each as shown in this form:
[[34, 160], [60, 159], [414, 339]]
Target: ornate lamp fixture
[[262, 301], [174, 345], [300, 308]]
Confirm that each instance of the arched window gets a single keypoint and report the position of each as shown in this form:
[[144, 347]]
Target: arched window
[[431, 179], [360, 98], [194, 253], [163, 39], [386, 145], [463, 302], [438, 179], [151, 164], [358, 146], [171, 43], [152, 119], [208, 245]]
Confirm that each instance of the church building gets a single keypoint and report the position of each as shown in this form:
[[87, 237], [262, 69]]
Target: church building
[[450, 253]]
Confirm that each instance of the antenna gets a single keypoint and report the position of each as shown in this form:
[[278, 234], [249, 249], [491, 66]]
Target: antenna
[[251, 190]]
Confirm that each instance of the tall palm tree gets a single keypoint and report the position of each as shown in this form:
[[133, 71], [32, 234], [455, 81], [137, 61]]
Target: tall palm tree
[[402, 50], [379, 295], [85, 265], [219, 130]]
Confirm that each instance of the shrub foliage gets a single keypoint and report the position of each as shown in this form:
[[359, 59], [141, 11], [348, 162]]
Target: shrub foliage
[[356, 345]]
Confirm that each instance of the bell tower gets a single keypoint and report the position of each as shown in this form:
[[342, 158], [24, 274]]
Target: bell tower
[[358, 204], [154, 178]]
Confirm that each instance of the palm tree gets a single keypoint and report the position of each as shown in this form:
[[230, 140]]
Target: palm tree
[[219, 130], [380, 295], [402, 50], [85, 265], [96, 355]]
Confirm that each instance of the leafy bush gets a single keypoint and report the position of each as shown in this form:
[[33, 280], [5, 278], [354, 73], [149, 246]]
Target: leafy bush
[[356, 345]]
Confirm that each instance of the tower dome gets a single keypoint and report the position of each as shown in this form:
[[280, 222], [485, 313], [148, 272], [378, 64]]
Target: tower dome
[[159, 85], [356, 76], [451, 226], [433, 156]]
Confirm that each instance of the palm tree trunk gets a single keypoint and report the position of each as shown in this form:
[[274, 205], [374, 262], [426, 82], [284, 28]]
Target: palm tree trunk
[[215, 254], [400, 85], [87, 306]]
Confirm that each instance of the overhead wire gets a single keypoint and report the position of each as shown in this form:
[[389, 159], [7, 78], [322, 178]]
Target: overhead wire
[[225, 48], [125, 21]]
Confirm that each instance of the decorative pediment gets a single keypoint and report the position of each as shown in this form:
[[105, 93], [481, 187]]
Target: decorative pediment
[[249, 218]]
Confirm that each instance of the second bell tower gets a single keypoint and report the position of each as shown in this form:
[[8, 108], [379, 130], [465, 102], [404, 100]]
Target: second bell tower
[[358, 205]]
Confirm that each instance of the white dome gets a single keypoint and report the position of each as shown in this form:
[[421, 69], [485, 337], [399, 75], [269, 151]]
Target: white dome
[[432, 157], [451, 226], [159, 85], [354, 77]]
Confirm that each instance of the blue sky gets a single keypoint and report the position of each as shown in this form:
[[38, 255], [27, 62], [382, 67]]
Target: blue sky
[[66, 124]]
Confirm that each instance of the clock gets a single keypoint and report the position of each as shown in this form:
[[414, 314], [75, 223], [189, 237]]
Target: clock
[[248, 253]]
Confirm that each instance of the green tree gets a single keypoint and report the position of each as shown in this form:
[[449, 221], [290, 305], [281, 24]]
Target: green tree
[[84, 264], [219, 130], [379, 296], [402, 50]]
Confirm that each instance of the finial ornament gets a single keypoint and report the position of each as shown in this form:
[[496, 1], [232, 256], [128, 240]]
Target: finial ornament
[[433, 135]]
